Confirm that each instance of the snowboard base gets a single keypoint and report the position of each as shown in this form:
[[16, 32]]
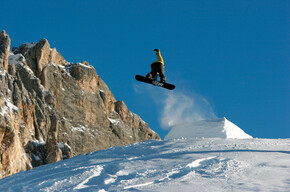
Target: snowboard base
[[155, 83]]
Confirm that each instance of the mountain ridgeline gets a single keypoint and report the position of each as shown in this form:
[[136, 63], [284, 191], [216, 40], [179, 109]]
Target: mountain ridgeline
[[51, 109]]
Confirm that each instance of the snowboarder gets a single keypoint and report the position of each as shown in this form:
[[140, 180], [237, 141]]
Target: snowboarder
[[157, 68]]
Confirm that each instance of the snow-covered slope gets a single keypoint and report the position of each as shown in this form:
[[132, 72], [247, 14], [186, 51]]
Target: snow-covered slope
[[172, 165], [214, 128]]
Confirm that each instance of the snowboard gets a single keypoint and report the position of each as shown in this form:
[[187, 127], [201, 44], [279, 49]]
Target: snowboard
[[155, 83]]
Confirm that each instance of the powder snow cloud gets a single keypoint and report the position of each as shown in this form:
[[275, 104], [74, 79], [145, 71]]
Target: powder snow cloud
[[177, 106], [181, 108]]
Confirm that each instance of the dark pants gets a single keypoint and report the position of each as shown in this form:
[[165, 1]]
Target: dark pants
[[157, 68]]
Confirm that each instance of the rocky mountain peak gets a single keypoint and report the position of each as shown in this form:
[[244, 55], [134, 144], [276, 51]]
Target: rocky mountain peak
[[4, 49], [51, 109]]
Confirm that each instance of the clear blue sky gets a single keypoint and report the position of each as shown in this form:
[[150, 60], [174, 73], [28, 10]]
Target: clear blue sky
[[235, 54]]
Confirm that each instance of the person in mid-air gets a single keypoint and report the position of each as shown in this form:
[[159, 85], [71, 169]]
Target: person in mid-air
[[157, 68]]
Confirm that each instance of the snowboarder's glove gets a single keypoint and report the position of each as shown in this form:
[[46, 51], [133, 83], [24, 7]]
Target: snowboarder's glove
[[157, 50]]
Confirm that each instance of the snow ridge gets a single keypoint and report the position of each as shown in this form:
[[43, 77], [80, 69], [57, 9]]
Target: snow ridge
[[213, 128]]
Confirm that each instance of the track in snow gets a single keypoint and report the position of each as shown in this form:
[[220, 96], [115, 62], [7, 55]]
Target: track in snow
[[173, 165]]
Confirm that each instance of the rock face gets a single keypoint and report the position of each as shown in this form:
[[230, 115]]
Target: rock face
[[4, 49], [51, 109]]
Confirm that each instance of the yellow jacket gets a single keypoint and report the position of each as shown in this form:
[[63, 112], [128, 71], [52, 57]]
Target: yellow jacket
[[159, 58]]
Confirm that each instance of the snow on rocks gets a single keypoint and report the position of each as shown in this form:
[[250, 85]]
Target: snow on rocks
[[114, 121], [214, 128], [28, 45], [16, 59], [19, 61], [7, 108], [80, 128], [3, 73]]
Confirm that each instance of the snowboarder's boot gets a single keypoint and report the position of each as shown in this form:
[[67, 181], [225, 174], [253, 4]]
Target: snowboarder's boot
[[155, 77], [149, 75]]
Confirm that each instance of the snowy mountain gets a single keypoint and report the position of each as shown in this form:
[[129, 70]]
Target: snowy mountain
[[52, 109], [214, 128], [172, 165]]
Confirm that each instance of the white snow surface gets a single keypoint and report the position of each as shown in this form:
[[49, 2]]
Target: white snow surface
[[195, 164], [214, 128]]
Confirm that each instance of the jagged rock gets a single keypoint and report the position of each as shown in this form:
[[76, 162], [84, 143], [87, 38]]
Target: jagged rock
[[66, 150], [42, 54], [16, 50], [85, 63], [52, 110], [12, 70], [36, 152], [53, 152], [4, 50], [39, 55]]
